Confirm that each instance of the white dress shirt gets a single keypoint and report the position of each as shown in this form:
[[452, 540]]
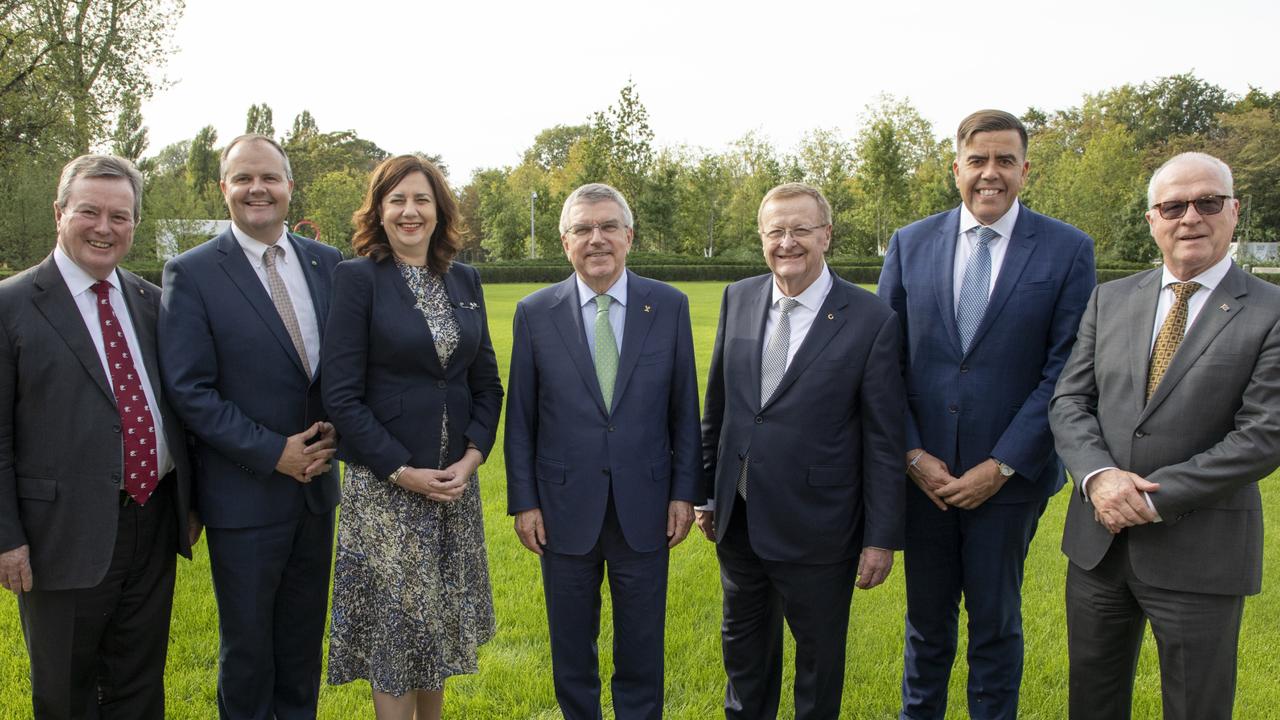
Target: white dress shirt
[[295, 281], [802, 315], [79, 283], [617, 310], [968, 242]]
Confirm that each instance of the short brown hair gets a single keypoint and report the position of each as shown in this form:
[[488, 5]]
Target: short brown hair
[[100, 166], [794, 189], [370, 239], [990, 121], [253, 137]]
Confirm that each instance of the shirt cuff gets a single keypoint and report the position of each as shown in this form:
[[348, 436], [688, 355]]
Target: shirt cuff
[[1084, 484], [709, 507]]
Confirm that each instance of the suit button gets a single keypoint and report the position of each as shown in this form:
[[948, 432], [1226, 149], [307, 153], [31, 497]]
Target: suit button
[[611, 428], [1139, 434], [759, 420], [964, 368], [604, 471], [115, 428], [441, 384], [954, 409]]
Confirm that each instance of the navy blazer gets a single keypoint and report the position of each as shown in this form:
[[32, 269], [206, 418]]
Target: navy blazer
[[233, 376], [825, 476], [384, 386], [566, 452], [992, 401]]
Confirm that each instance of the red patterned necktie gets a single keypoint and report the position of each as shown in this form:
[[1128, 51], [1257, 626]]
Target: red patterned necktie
[[136, 424]]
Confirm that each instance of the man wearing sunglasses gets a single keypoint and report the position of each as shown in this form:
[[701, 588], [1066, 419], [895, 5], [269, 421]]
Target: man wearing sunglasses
[[1167, 415], [989, 295]]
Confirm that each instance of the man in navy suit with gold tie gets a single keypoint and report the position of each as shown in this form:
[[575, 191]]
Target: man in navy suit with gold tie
[[602, 453]]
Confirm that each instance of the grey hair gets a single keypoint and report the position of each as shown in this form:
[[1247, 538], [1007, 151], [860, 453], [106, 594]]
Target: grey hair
[[222, 162], [795, 189], [594, 193], [1224, 172], [100, 166]]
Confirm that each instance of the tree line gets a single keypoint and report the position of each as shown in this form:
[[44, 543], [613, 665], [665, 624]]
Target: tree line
[[73, 74]]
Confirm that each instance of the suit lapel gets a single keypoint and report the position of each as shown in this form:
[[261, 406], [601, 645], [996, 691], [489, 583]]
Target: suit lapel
[[943, 269], [1019, 250], [53, 300], [754, 321], [1140, 313], [566, 315], [237, 267], [1210, 321], [636, 329], [828, 321], [391, 275], [317, 280], [143, 313]]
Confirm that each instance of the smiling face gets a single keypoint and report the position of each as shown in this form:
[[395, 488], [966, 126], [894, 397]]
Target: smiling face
[[409, 217], [95, 229], [1192, 243], [257, 190], [990, 170], [795, 261], [598, 257]]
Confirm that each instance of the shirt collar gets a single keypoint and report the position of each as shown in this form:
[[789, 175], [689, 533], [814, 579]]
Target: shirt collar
[[617, 291], [255, 248], [1004, 225], [77, 280], [813, 295], [1208, 279]]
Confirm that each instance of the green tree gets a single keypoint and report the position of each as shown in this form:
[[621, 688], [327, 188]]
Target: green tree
[[130, 137], [332, 199], [202, 161], [258, 120]]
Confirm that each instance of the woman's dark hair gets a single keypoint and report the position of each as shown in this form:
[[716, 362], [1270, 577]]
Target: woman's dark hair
[[371, 239]]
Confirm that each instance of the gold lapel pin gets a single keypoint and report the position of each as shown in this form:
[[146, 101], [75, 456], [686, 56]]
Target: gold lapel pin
[[831, 316], [647, 308], [1225, 307]]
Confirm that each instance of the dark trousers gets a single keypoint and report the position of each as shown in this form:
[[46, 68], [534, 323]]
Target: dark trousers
[[758, 595], [1196, 637], [272, 588], [979, 554], [99, 652], [638, 591]]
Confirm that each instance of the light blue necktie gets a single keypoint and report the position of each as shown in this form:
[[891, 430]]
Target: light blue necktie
[[974, 288], [606, 350]]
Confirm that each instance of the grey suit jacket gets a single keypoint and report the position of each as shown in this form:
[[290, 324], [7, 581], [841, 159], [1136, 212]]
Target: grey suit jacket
[[1209, 433], [60, 450]]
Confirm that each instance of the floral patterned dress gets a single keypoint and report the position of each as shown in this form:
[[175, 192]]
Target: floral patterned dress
[[411, 595]]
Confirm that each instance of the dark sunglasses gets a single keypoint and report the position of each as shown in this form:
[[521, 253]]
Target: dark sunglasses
[[1207, 205]]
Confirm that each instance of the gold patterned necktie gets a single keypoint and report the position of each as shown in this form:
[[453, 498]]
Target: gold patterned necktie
[[1171, 333]]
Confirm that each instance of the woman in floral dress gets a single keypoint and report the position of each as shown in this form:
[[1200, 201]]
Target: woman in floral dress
[[411, 383]]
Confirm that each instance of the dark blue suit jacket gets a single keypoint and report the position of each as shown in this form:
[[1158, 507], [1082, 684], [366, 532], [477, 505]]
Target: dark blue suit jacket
[[565, 450], [992, 401], [826, 450], [384, 386], [232, 374]]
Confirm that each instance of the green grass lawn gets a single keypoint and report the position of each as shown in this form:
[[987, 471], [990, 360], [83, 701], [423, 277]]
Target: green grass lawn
[[515, 668]]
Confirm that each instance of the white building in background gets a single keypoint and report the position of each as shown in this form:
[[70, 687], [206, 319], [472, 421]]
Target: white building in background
[[174, 236], [1256, 253]]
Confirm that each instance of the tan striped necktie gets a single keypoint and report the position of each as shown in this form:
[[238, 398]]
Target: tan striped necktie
[[1171, 333], [284, 306]]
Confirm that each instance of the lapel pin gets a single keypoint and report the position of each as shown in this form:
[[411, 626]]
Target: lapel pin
[[647, 308], [1225, 307], [314, 263], [831, 316]]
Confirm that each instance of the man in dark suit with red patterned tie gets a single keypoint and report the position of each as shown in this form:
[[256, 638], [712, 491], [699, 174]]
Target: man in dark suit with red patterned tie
[[94, 481]]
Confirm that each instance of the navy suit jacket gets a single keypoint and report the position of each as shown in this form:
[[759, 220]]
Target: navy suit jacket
[[992, 401], [233, 376], [825, 476], [384, 386], [565, 451]]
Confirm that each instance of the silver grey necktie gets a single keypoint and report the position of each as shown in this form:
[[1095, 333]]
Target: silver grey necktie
[[773, 364]]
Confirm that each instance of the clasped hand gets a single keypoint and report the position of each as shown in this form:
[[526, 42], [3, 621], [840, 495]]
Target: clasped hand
[[444, 485], [308, 453], [942, 488], [1118, 499]]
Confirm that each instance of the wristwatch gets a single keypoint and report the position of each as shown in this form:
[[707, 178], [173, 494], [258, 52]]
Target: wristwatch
[[1005, 470], [394, 477]]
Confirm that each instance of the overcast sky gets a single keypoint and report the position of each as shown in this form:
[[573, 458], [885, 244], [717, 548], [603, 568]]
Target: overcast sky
[[476, 81]]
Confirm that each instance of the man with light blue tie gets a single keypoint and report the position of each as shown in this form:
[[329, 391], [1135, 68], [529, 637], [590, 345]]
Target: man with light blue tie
[[602, 453], [989, 296]]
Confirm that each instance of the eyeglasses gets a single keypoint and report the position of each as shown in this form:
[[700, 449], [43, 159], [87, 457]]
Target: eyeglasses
[[1207, 205], [799, 233], [609, 229]]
